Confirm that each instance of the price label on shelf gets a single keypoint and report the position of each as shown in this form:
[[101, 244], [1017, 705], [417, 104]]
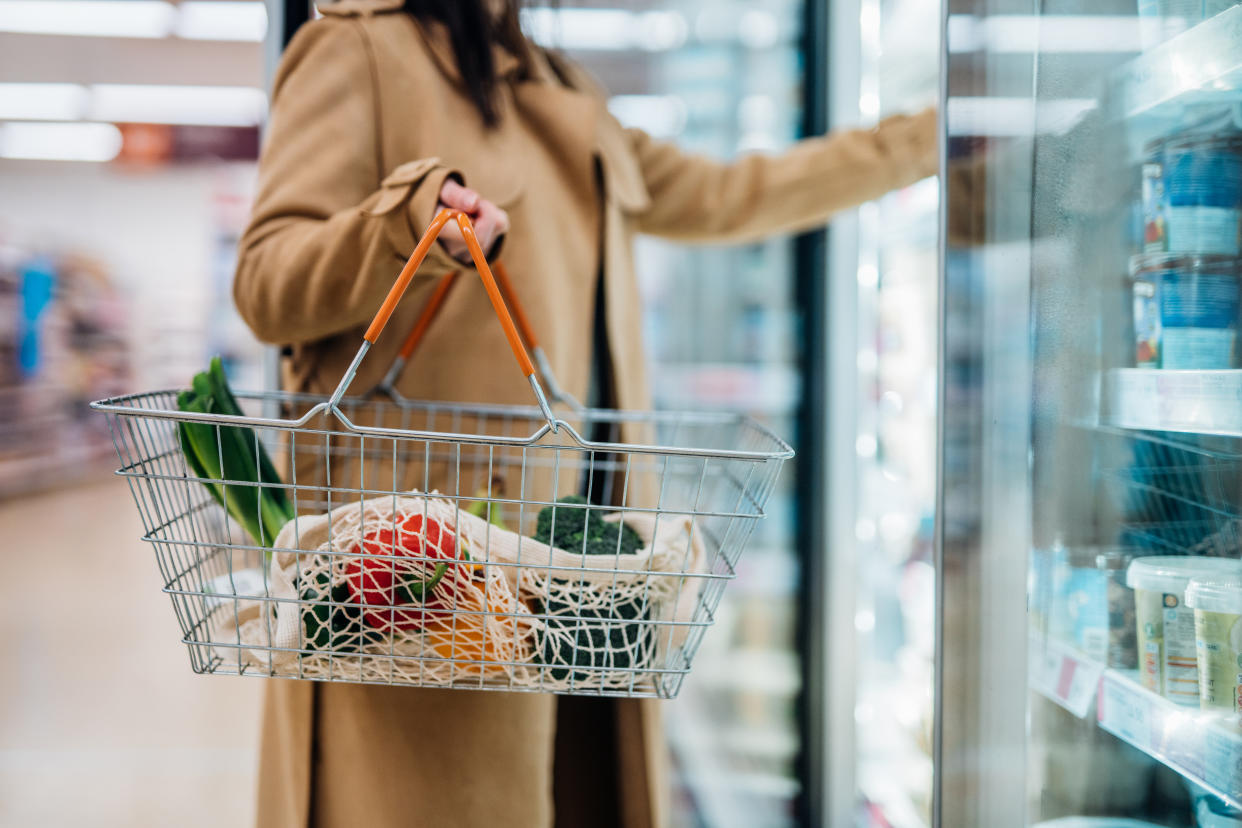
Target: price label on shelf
[[1064, 676], [1126, 713]]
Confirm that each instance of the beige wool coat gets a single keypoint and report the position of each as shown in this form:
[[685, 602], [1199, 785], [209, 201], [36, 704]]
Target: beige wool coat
[[368, 119]]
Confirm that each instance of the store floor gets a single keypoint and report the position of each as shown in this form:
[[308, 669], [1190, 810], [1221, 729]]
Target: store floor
[[101, 721]]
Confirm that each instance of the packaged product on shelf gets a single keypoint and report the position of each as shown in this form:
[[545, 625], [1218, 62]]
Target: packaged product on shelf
[[1122, 649], [1217, 604], [1186, 311], [1165, 627], [1079, 613], [1154, 219], [1202, 176]]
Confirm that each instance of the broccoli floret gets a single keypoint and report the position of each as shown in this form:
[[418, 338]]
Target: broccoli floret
[[582, 530]]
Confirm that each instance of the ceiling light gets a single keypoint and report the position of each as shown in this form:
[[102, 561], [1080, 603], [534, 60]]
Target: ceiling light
[[59, 142], [604, 29], [42, 101], [98, 18], [152, 104], [222, 20]]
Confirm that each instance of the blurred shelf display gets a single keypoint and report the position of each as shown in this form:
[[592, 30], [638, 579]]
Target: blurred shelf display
[[1199, 402], [65, 343]]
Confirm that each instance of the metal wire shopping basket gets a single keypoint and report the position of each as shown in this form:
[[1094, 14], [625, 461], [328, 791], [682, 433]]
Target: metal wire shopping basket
[[450, 545]]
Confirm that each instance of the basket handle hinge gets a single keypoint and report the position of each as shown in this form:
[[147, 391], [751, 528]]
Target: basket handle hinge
[[493, 293]]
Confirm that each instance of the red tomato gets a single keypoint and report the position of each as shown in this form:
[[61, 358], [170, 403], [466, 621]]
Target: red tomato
[[403, 594]]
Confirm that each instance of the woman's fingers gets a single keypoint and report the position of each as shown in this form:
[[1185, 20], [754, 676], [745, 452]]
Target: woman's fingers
[[490, 222], [456, 196]]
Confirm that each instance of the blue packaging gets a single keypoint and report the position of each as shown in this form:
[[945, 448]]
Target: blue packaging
[[1186, 311], [1202, 194]]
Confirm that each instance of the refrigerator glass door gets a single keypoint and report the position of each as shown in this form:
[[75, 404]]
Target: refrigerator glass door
[[1090, 589]]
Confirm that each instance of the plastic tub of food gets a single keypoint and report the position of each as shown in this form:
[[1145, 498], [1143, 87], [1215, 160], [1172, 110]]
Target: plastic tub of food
[[1186, 311], [1217, 603], [1165, 627], [1202, 179]]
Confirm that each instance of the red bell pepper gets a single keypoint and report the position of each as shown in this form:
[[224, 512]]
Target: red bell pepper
[[399, 594]]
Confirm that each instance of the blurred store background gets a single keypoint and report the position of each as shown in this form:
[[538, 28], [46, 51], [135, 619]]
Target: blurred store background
[[129, 131]]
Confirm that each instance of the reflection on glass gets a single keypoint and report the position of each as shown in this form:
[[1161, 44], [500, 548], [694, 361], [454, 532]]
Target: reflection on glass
[[1091, 340]]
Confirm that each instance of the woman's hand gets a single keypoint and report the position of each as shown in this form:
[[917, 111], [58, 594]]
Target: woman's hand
[[490, 222]]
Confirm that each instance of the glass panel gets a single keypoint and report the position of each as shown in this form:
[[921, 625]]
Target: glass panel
[[1092, 428], [720, 78], [896, 441]]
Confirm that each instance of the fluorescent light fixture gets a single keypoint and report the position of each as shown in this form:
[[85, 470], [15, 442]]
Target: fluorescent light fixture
[[59, 142], [244, 20], [202, 105], [604, 29], [97, 18], [42, 101], [660, 115], [1050, 34]]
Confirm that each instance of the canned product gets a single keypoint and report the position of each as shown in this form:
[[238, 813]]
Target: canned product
[[1202, 181], [1186, 311]]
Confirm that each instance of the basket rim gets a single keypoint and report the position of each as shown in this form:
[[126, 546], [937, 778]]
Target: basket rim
[[322, 405]]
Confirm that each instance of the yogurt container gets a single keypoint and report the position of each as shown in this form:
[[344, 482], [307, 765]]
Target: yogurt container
[[1202, 182], [1165, 626], [1217, 604], [1186, 311]]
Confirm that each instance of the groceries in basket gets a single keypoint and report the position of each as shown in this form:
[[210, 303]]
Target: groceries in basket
[[412, 587]]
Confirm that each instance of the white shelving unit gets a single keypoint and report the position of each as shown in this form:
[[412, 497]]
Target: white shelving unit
[[1198, 402]]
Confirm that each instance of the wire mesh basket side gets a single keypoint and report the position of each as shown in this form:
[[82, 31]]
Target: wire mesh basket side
[[230, 610]]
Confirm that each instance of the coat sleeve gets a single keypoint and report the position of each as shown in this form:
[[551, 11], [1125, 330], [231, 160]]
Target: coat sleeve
[[329, 232], [697, 199]]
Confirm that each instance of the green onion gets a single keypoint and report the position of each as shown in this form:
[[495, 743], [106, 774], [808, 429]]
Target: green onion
[[232, 455]]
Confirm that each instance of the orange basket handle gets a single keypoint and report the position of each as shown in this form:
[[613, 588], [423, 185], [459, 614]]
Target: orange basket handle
[[522, 321], [489, 284]]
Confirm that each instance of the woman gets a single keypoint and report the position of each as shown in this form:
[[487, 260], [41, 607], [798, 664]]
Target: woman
[[383, 112]]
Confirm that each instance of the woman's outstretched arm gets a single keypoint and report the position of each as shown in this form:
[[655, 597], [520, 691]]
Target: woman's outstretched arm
[[697, 199]]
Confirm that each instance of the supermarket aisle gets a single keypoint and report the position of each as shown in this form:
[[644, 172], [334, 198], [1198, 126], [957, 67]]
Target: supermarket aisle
[[101, 721]]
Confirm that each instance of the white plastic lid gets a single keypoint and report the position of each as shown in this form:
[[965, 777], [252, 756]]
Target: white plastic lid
[[1217, 593], [1172, 574]]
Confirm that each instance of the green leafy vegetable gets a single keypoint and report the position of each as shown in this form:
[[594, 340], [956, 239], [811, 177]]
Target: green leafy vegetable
[[232, 458], [581, 529]]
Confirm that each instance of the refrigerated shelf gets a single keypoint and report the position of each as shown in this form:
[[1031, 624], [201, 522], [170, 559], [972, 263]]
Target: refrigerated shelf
[[1205, 750], [1198, 65], [1195, 402]]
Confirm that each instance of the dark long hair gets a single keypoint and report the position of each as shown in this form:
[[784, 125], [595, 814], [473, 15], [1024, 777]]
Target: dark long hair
[[473, 30]]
